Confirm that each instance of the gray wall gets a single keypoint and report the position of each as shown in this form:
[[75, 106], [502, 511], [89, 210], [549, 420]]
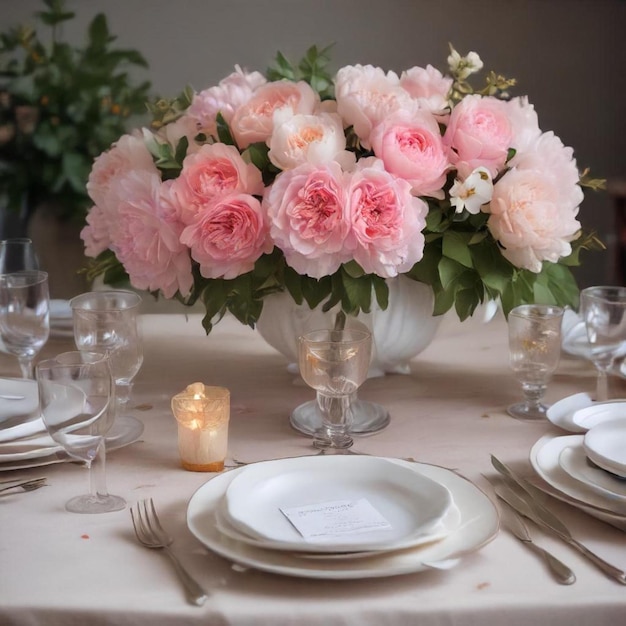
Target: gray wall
[[568, 56]]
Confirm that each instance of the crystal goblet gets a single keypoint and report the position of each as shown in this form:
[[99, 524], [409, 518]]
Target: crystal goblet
[[604, 313], [335, 364], [75, 396], [24, 316], [534, 352], [107, 321]]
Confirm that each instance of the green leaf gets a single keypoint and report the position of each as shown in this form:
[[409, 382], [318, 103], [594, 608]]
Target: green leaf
[[449, 271], [455, 247], [99, 35], [381, 290], [223, 131]]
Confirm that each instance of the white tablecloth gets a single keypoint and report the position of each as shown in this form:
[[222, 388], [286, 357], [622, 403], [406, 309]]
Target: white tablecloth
[[62, 568]]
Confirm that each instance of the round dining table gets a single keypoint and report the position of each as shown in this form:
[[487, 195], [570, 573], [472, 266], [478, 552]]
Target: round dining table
[[61, 568]]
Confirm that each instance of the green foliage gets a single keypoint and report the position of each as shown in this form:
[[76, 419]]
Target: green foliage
[[312, 68], [60, 107]]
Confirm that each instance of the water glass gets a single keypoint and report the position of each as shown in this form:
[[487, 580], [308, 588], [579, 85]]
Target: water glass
[[335, 364], [534, 352], [604, 312], [24, 316]]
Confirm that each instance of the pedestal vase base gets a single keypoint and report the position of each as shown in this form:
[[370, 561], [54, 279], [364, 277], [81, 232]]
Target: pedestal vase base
[[369, 418]]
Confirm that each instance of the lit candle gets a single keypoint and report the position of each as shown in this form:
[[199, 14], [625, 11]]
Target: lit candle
[[202, 413]]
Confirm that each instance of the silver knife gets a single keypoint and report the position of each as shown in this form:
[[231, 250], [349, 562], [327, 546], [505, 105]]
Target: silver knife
[[519, 499], [561, 572]]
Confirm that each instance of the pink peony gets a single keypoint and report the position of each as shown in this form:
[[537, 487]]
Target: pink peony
[[213, 172], [145, 235], [534, 205], [366, 96], [429, 87], [96, 234], [127, 153], [254, 121], [479, 134], [308, 217], [387, 221], [228, 236], [225, 98], [410, 146]]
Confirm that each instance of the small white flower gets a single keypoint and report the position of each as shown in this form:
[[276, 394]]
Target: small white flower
[[473, 192], [464, 66]]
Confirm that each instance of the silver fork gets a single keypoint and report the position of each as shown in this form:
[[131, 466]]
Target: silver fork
[[151, 534]]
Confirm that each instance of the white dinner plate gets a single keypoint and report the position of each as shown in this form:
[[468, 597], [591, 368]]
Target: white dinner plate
[[411, 504], [544, 457], [479, 525], [126, 430], [561, 413], [597, 413], [605, 445], [448, 524], [18, 410], [575, 462]]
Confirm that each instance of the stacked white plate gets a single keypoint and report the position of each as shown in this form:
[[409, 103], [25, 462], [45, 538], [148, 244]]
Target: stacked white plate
[[24, 441], [341, 516], [61, 321], [585, 467]]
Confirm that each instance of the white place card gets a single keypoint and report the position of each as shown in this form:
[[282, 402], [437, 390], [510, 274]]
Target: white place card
[[325, 520]]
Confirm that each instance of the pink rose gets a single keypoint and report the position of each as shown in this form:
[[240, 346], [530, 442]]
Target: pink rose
[[228, 236], [213, 172], [225, 98], [308, 216], [479, 134], [410, 146], [254, 121], [429, 87], [534, 205], [145, 235], [366, 96], [126, 154], [387, 220], [316, 139]]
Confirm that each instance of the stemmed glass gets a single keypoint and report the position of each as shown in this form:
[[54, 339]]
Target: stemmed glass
[[75, 395], [335, 364], [534, 352], [604, 313], [24, 315], [17, 254], [107, 321]]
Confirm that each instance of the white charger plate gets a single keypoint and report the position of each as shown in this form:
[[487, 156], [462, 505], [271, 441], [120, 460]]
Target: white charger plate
[[544, 457], [479, 525], [413, 505], [573, 460], [125, 430], [605, 445]]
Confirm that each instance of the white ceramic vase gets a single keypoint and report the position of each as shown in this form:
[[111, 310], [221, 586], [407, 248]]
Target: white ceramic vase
[[399, 333]]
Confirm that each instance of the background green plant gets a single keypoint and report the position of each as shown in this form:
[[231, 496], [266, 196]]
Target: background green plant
[[60, 107]]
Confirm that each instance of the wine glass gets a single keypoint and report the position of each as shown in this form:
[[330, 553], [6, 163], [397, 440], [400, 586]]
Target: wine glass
[[534, 352], [75, 396], [17, 254], [604, 313], [24, 315], [107, 321], [335, 364]]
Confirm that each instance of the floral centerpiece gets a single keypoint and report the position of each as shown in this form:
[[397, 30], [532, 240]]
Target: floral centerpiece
[[326, 186]]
